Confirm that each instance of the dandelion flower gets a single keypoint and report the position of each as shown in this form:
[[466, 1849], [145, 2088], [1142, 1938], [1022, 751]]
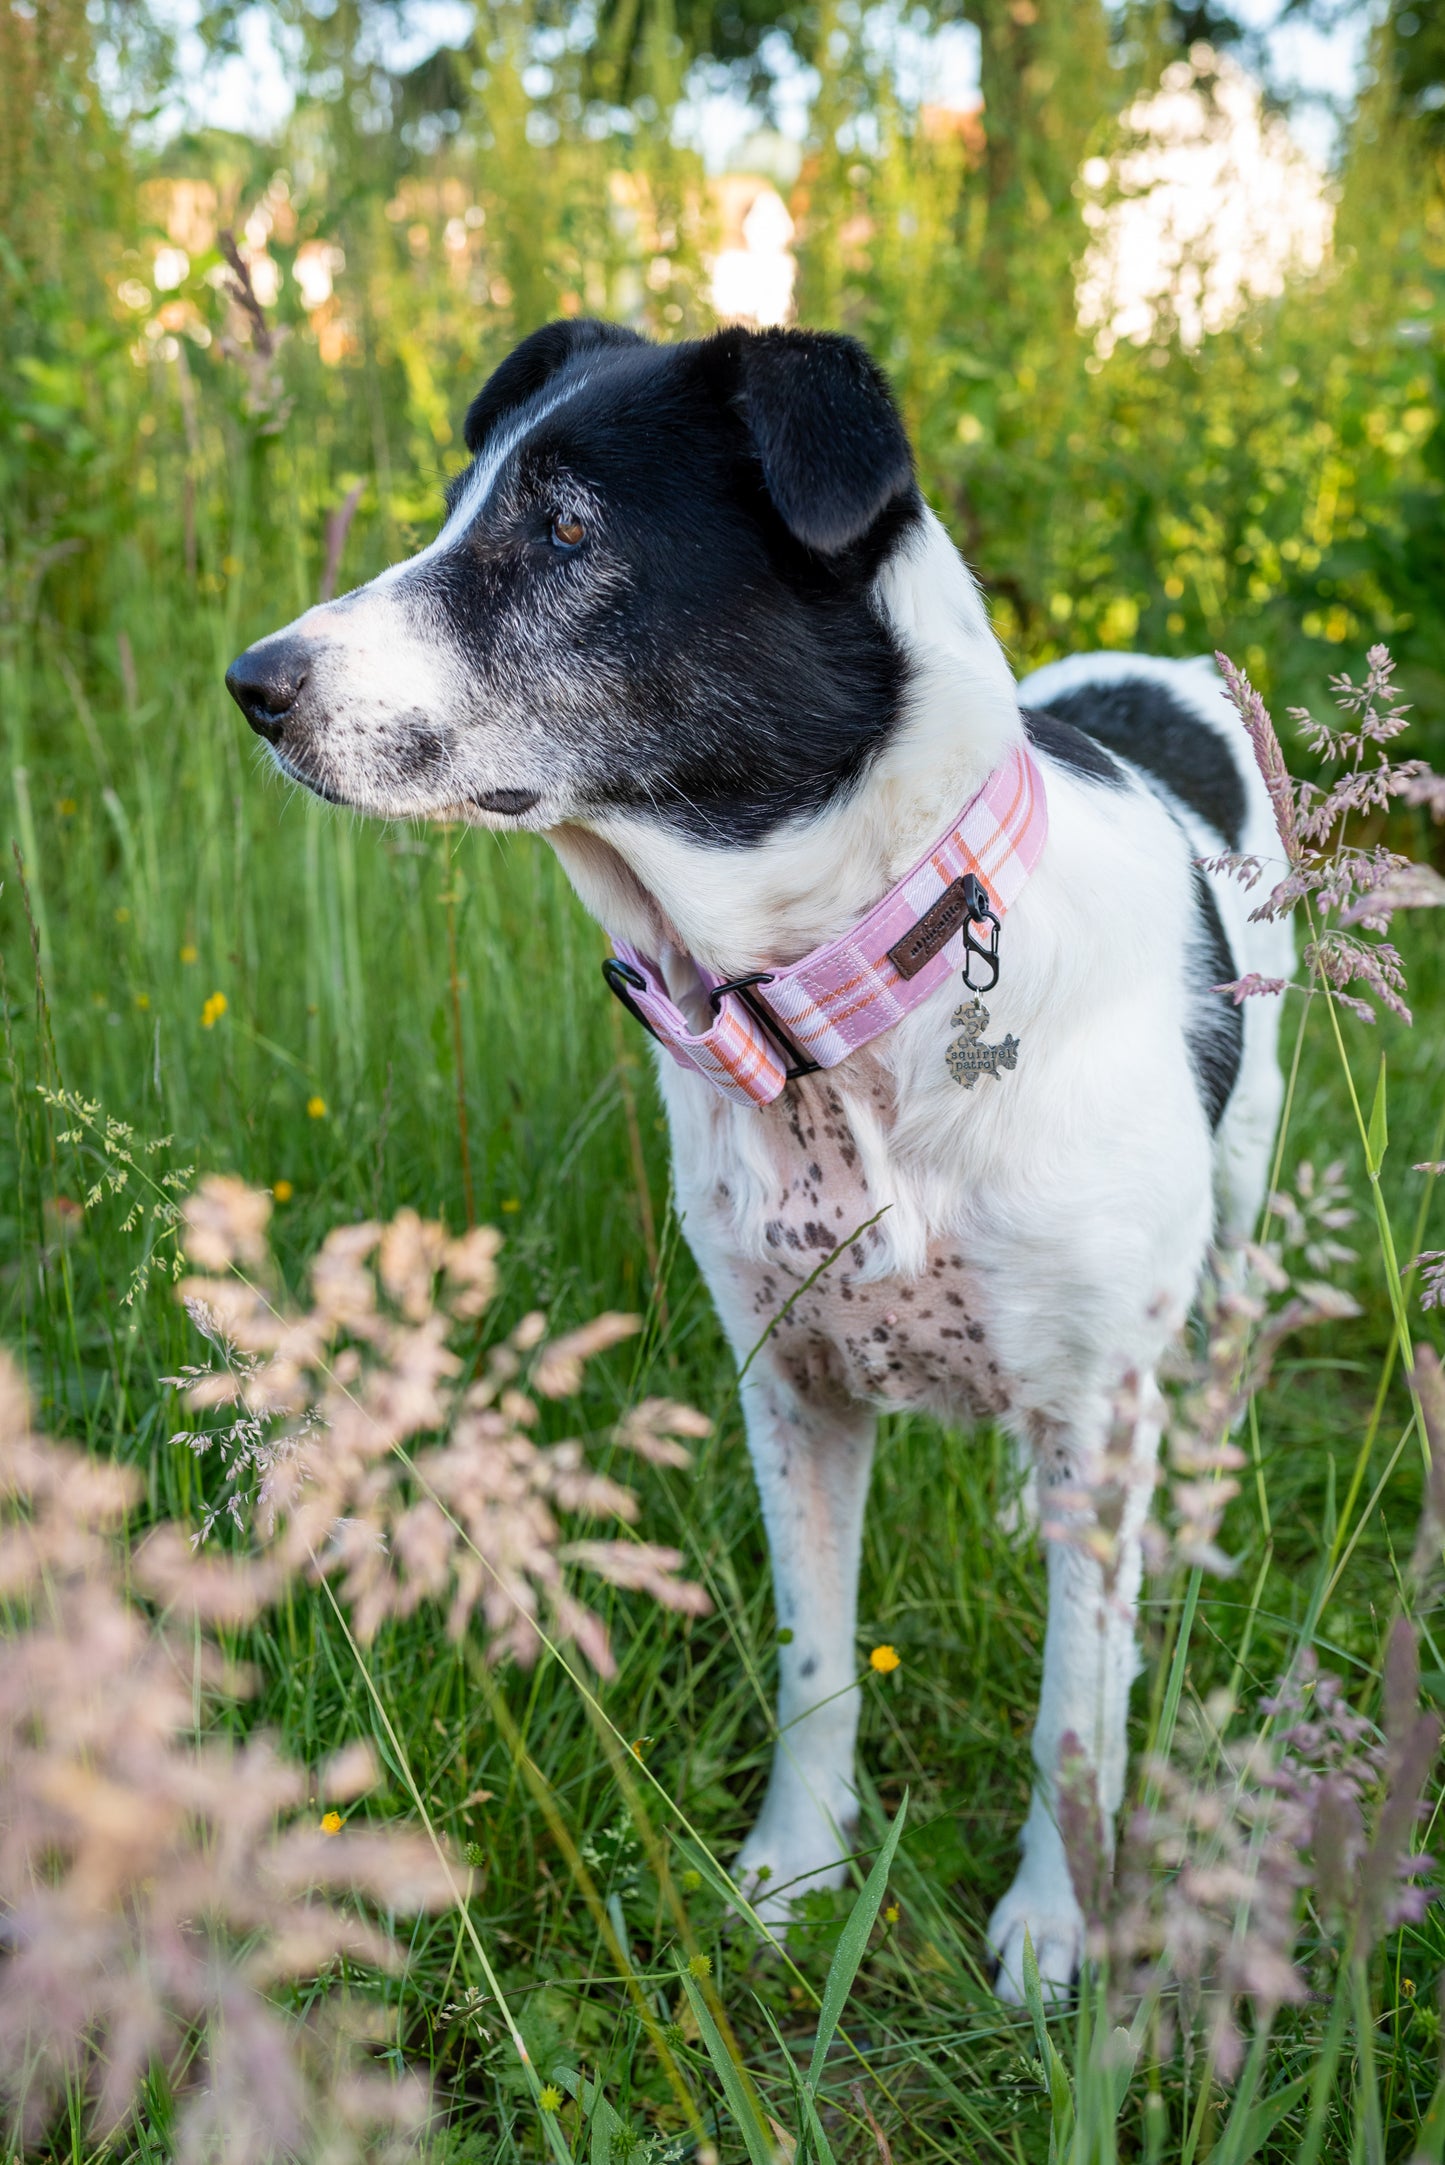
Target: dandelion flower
[[316, 1108], [282, 1190], [188, 953], [884, 1659], [213, 1010], [331, 1823], [549, 2097]]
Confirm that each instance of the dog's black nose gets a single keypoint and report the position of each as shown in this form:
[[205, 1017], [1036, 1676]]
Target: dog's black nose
[[265, 683]]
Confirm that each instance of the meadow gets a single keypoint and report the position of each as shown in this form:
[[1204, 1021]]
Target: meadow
[[360, 1019]]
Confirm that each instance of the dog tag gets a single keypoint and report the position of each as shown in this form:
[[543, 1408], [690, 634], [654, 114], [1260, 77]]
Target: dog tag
[[967, 1057]]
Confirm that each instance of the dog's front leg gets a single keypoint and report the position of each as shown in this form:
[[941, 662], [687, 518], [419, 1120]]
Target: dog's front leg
[[1092, 1508], [812, 1462]]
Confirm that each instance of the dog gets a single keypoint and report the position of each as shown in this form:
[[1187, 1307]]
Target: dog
[[690, 619]]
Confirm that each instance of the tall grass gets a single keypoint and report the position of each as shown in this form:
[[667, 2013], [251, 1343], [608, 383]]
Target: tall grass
[[416, 1017]]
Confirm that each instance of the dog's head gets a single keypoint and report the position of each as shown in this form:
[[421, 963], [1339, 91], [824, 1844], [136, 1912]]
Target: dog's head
[[654, 594]]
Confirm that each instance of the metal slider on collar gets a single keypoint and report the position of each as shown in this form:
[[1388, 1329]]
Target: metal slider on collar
[[621, 979], [795, 1063]]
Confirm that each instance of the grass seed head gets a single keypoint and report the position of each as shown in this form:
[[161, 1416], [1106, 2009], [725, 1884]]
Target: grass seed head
[[380, 1456]]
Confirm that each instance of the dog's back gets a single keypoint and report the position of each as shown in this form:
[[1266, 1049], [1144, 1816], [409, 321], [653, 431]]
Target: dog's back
[[1172, 722]]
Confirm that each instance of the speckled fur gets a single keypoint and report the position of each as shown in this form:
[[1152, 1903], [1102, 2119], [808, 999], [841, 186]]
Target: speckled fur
[[886, 1342]]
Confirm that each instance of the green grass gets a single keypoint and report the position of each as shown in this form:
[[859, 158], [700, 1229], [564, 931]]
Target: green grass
[[164, 865]]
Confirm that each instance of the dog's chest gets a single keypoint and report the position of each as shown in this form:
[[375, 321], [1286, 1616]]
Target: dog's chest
[[919, 1341]]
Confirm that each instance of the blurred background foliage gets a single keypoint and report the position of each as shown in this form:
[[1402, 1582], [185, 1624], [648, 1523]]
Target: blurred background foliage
[[1273, 487]]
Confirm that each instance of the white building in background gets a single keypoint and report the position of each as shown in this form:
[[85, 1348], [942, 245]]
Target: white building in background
[[754, 271], [1211, 205]]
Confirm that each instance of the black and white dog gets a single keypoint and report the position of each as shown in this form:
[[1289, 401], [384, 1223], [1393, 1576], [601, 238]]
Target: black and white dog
[[690, 619]]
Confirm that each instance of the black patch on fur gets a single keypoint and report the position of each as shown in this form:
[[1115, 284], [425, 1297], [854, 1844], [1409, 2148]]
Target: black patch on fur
[[711, 655], [819, 410], [1143, 722], [1061, 741], [1215, 1034], [532, 364]]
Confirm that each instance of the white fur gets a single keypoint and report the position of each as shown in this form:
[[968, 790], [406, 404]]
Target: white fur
[[1079, 1188]]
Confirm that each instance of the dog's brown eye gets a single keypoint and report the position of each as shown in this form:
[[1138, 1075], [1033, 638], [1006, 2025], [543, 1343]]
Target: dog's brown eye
[[568, 533]]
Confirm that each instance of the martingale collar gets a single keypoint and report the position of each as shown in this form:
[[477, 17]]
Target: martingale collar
[[774, 1024]]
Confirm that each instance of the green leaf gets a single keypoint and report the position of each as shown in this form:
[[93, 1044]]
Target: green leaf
[[850, 1947], [1256, 2123], [602, 2118], [738, 2091], [1061, 2094], [812, 2125], [1377, 1141], [1430, 2142]]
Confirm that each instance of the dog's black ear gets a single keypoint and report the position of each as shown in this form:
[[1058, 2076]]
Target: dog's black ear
[[822, 418], [527, 368]]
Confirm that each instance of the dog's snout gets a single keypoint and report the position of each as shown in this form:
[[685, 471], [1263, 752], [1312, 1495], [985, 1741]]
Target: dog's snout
[[266, 682]]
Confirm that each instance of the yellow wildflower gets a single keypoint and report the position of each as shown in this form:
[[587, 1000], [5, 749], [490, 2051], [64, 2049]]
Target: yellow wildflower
[[549, 2097], [892, 1914], [884, 1659], [66, 807], [332, 1823], [510, 1204], [142, 999], [188, 953], [700, 1966], [282, 1190], [316, 1108], [213, 1010]]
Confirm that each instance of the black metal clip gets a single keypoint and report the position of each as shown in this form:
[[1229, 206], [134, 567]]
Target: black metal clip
[[623, 980], [794, 1061], [980, 912]]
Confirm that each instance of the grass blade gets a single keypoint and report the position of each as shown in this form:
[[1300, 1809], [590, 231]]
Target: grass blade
[[849, 1952], [1252, 2121], [1061, 2095], [741, 2101], [803, 2098]]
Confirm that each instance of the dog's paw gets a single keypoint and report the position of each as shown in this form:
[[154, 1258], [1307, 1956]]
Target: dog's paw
[[777, 1865], [1054, 1922]]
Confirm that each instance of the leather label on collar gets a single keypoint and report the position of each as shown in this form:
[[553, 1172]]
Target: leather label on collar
[[933, 931]]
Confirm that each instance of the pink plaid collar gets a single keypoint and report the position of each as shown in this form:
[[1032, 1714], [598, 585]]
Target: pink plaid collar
[[815, 1012]]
